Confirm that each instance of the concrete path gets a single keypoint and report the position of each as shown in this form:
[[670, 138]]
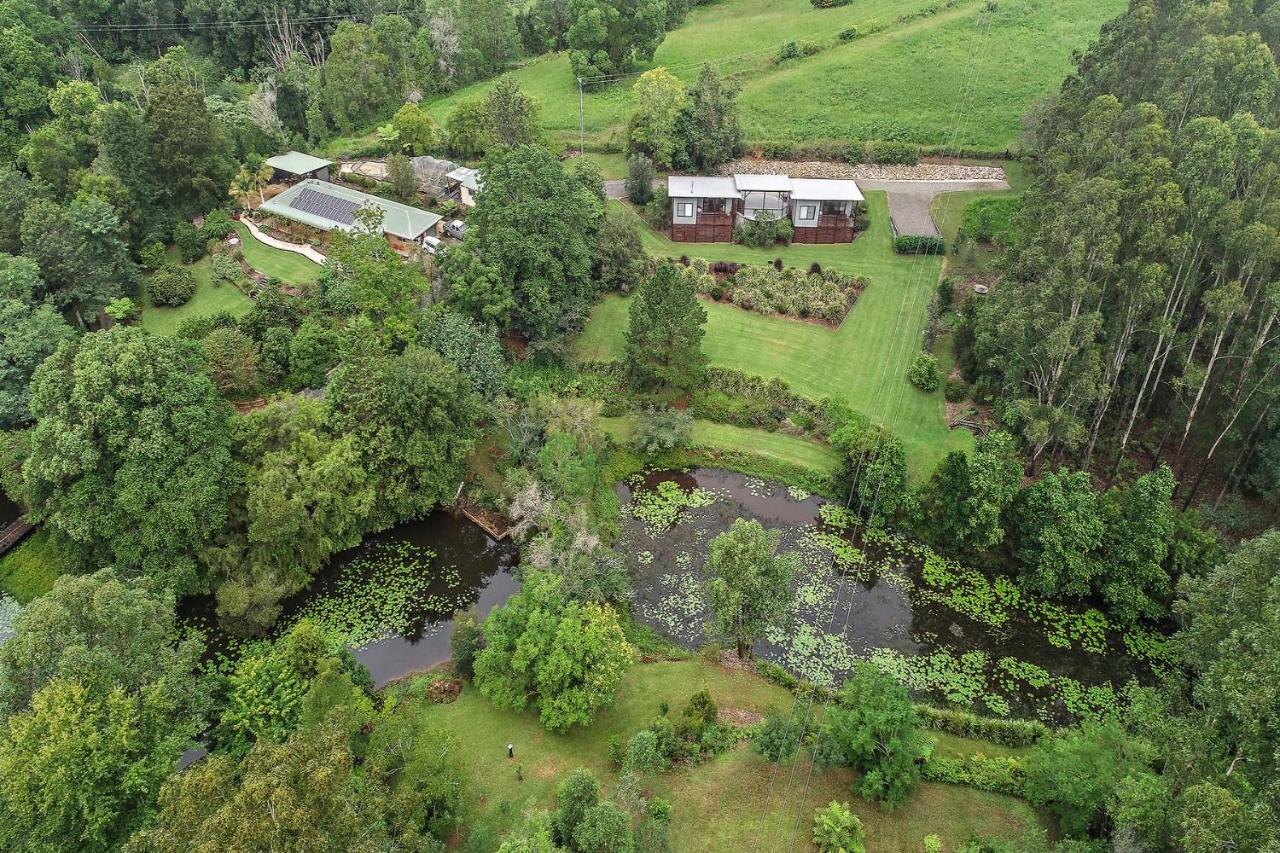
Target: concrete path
[[908, 199], [267, 240]]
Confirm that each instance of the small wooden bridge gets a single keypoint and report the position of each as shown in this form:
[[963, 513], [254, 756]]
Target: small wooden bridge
[[14, 533]]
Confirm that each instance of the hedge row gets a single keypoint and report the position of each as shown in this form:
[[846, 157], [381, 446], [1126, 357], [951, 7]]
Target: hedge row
[[967, 724], [998, 774], [918, 244]]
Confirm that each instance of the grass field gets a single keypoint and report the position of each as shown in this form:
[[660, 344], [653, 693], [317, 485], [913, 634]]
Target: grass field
[[864, 361], [959, 77], [289, 267], [208, 299], [777, 446], [730, 802]]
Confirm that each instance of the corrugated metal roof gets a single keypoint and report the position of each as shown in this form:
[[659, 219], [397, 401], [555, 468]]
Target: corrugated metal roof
[[824, 189], [398, 219], [297, 163], [763, 183], [469, 178], [695, 186]]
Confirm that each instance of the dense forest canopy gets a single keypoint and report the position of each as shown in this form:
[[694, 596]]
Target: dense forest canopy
[[1138, 312]]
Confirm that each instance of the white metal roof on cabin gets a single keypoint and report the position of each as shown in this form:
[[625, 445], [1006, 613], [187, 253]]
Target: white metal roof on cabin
[[694, 186], [815, 189], [762, 183]]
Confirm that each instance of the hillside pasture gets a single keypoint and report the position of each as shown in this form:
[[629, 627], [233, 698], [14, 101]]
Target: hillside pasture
[[957, 76]]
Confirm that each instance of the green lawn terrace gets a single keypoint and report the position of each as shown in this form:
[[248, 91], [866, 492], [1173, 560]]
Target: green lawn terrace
[[731, 802], [213, 297], [958, 77], [864, 361]]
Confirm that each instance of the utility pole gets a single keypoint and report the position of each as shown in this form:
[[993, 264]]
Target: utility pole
[[581, 121]]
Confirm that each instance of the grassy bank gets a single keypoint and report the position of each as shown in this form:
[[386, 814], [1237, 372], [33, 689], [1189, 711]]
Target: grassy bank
[[863, 361], [733, 801], [775, 446]]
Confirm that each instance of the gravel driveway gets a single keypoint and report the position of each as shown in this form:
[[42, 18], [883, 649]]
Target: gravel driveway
[[909, 200]]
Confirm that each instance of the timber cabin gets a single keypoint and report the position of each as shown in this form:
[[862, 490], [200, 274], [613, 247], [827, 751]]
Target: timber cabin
[[706, 209]]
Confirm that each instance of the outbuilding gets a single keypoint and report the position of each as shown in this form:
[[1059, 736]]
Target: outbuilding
[[296, 166]]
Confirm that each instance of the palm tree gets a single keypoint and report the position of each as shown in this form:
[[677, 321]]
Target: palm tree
[[241, 185]]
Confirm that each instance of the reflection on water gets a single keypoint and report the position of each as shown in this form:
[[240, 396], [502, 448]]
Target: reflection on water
[[859, 598], [395, 593]]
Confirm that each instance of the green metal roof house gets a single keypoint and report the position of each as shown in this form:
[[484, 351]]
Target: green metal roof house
[[330, 207]]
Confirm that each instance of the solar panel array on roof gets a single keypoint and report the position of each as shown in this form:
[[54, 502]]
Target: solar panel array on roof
[[330, 207]]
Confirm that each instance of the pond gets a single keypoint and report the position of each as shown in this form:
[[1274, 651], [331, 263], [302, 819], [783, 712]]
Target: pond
[[392, 597], [946, 631]]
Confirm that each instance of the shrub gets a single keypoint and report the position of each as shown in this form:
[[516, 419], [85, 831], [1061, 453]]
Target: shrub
[[923, 373], [604, 828], [226, 268], [889, 153], [765, 230], [642, 755], [946, 291], [955, 389], [797, 50], [989, 219], [640, 175], [849, 34], [999, 774], [837, 830], [152, 256], [217, 225], [779, 736], [776, 150], [171, 285], [932, 844], [698, 715], [575, 796], [190, 242], [658, 211], [829, 4], [918, 244], [660, 430]]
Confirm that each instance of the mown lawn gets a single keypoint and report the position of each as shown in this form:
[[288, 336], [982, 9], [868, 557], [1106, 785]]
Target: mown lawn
[[289, 267], [959, 77], [729, 802], [778, 446], [864, 361], [29, 570], [209, 298]]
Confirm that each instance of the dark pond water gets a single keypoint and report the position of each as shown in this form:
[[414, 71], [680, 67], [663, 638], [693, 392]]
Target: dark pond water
[[393, 595], [877, 605]]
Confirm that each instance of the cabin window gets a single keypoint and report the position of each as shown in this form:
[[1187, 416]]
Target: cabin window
[[833, 208], [684, 209], [808, 211], [712, 205]]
